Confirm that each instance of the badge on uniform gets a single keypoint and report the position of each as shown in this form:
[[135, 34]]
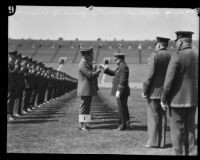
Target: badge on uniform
[[84, 118]]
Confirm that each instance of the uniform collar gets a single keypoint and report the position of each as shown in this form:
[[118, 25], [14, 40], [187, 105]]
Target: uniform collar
[[186, 47]]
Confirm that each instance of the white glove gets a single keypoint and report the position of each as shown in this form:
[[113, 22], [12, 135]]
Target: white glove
[[117, 94], [164, 106], [144, 96]]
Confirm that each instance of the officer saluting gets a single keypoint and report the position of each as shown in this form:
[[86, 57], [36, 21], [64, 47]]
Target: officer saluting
[[180, 94], [152, 90], [120, 89]]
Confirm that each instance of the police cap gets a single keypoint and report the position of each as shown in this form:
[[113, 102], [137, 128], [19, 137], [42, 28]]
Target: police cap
[[119, 55], [86, 51], [162, 39], [183, 34]]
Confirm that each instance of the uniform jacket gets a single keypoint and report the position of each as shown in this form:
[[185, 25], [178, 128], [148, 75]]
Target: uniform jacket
[[153, 86], [28, 79], [180, 83], [120, 80], [86, 79]]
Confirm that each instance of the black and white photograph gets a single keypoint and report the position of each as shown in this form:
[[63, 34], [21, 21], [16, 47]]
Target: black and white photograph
[[102, 80]]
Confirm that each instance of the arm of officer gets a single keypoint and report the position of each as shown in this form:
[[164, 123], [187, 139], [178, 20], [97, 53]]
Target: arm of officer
[[109, 72], [87, 72], [147, 83], [171, 74]]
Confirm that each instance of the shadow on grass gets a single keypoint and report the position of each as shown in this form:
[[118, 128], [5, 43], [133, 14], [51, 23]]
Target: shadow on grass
[[138, 128], [30, 121], [44, 113]]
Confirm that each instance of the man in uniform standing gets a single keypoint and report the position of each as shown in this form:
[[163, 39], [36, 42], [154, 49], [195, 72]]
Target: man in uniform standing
[[12, 55], [152, 90], [180, 94], [120, 89], [86, 86]]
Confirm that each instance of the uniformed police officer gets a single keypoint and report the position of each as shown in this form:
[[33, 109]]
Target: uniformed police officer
[[120, 89], [28, 85], [12, 55], [20, 86], [180, 94], [86, 86], [152, 90]]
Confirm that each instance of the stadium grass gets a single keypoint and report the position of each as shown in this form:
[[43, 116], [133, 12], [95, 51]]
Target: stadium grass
[[53, 128]]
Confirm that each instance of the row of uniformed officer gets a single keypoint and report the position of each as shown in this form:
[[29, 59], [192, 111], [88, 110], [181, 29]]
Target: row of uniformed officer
[[31, 84]]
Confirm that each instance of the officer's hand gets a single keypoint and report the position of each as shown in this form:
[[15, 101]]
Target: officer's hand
[[164, 106], [117, 95], [143, 95], [98, 70]]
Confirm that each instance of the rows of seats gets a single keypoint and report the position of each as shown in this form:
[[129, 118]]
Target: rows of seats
[[50, 51]]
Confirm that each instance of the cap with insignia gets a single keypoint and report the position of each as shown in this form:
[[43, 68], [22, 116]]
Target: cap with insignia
[[119, 55], [86, 51], [162, 39], [183, 34]]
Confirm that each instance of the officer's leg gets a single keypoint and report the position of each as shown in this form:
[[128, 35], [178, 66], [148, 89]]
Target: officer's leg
[[46, 95], [177, 129], [190, 131], [24, 106], [84, 109], [162, 125], [121, 114], [33, 96], [152, 123], [16, 102], [27, 99], [10, 102], [126, 111]]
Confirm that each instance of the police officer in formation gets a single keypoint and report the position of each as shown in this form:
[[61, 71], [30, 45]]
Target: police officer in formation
[[152, 90], [120, 89], [180, 94], [31, 84]]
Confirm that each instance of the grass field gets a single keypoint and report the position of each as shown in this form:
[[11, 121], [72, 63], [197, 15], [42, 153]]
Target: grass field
[[53, 128]]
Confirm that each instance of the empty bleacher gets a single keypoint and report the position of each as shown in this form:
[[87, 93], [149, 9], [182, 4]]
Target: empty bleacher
[[50, 51]]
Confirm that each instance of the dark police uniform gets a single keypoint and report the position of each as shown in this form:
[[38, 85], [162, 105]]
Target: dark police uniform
[[121, 83], [11, 84], [152, 89], [180, 93]]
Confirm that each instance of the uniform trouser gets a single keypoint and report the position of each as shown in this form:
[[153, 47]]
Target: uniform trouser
[[33, 97], [49, 96], [26, 98], [42, 95], [156, 124], [124, 119], [182, 125], [85, 105], [18, 101], [10, 101], [46, 95], [38, 97]]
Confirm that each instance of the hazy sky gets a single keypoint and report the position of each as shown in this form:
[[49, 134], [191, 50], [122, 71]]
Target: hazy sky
[[40, 22]]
